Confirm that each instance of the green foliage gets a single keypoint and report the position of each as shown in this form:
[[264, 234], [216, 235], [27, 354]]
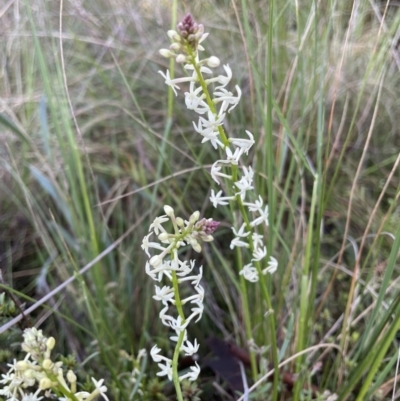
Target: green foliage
[[7, 306], [191, 391]]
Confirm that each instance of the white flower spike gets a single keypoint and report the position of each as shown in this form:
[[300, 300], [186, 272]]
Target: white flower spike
[[238, 182], [167, 265]]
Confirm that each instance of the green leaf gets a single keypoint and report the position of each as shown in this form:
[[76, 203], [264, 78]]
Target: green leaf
[[6, 121]]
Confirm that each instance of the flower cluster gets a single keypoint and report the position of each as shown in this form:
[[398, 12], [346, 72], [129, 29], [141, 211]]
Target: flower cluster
[[167, 264], [38, 371], [212, 110]]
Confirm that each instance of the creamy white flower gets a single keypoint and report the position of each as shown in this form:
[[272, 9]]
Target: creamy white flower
[[256, 206], [189, 348], [209, 127], [166, 369], [234, 157], [272, 266], [30, 397], [241, 233], [258, 240], [177, 325], [13, 366], [215, 171], [249, 272], [221, 79], [164, 294], [238, 243], [173, 82], [213, 138], [259, 254], [245, 144], [165, 319], [146, 244], [154, 352], [193, 375], [263, 218], [195, 279], [197, 311], [218, 199], [195, 101], [100, 389], [183, 268], [227, 99], [157, 224], [157, 273], [196, 298], [248, 173], [243, 185]]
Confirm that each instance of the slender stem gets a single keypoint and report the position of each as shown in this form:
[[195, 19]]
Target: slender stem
[[175, 375], [304, 320], [178, 304], [64, 391]]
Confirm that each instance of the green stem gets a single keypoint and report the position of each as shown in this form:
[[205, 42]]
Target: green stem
[[304, 318], [60, 388], [178, 304]]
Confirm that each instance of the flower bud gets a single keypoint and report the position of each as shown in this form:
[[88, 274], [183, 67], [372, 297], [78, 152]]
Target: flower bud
[[175, 46], [168, 211], [173, 35], [180, 222], [163, 236], [30, 374], [22, 365], [167, 53], [196, 247], [194, 217], [47, 364], [71, 377], [155, 261], [208, 238], [207, 226], [30, 334], [45, 383], [213, 62], [181, 59], [50, 343]]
